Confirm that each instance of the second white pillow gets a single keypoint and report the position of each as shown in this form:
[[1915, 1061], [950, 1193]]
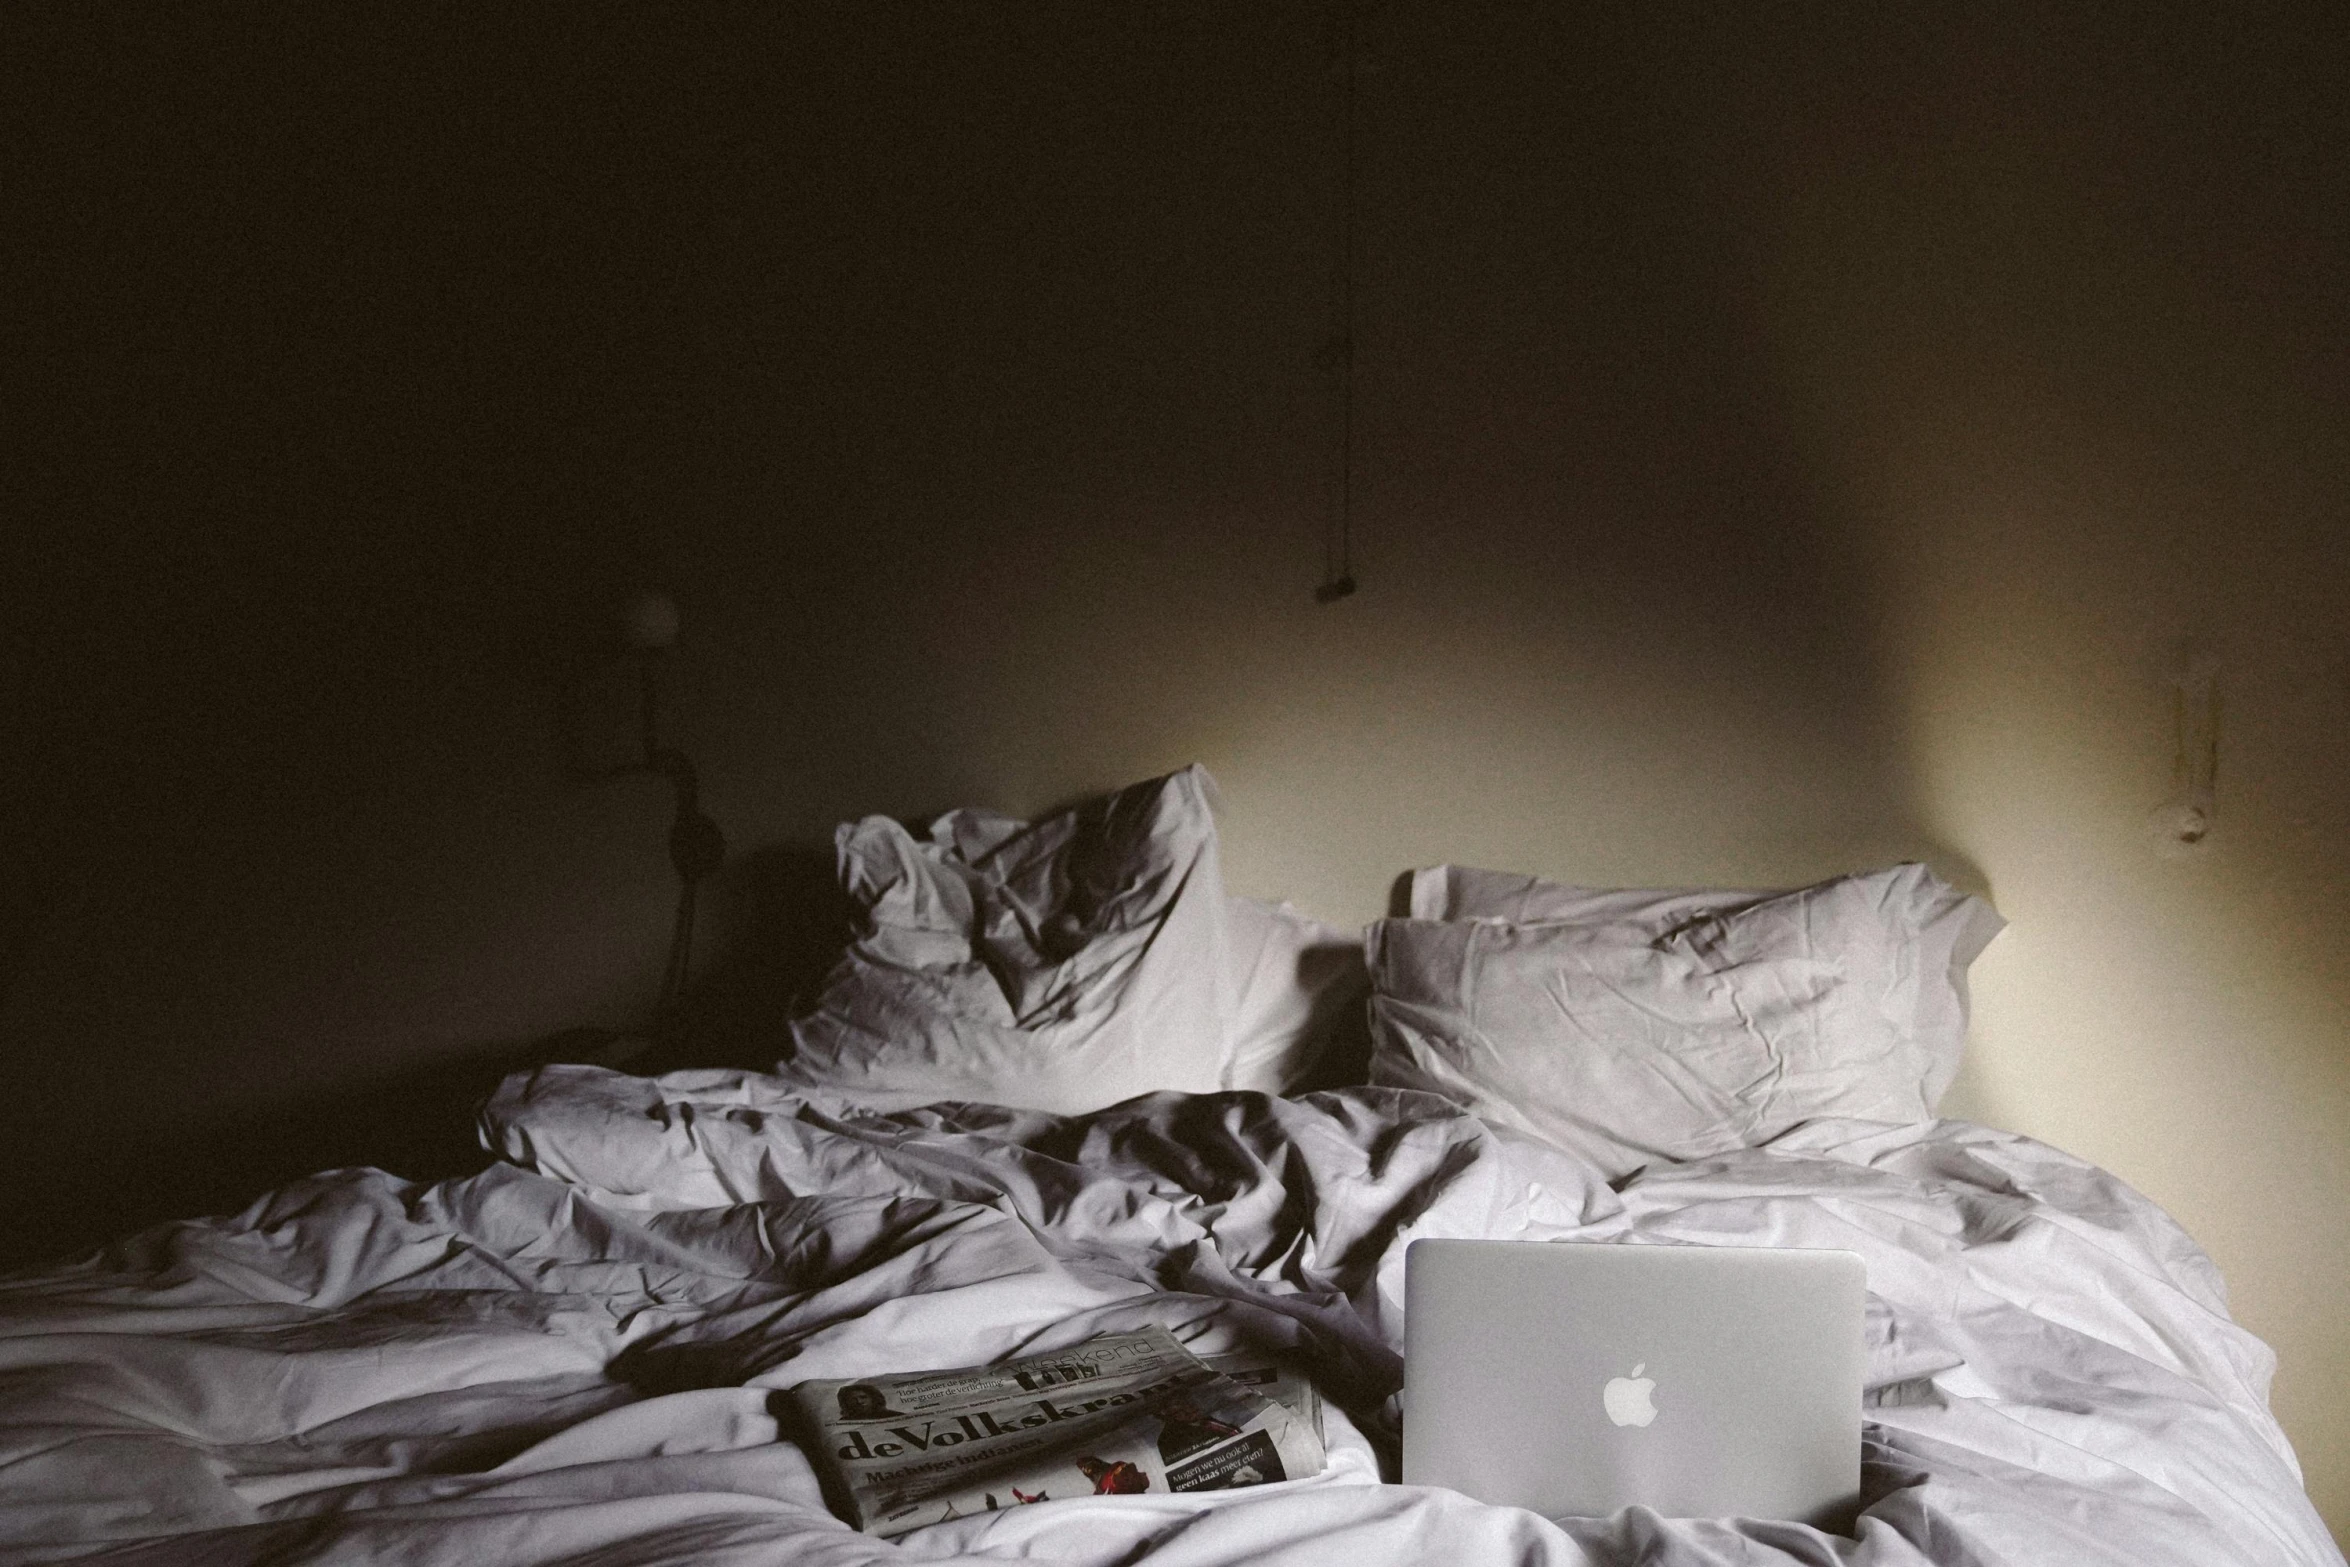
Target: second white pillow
[[1677, 1025]]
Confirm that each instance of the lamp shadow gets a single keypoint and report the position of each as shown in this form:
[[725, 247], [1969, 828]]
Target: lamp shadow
[[784, 922]]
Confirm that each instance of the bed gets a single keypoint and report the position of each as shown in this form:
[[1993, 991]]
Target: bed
[[574, 1356]]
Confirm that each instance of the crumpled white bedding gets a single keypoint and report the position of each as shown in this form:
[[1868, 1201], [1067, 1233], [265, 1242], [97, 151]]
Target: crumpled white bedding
[[567, 1358]]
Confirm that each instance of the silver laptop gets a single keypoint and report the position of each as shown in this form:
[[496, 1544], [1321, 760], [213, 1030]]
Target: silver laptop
[[1577, 1379]]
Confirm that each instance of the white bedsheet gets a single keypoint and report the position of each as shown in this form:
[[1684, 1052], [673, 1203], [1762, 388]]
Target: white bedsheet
[[567, 1359]]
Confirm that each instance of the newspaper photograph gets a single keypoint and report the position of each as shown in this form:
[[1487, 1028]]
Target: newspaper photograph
[[1121, 1414]]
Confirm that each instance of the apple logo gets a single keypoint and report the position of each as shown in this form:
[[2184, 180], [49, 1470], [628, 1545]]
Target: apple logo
[[1627, 1399]]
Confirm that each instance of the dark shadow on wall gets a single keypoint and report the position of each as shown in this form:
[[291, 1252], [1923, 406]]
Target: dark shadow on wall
[[785, 921], [418, 1124]]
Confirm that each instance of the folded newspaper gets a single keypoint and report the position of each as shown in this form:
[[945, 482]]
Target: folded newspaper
[[1115, 1415]]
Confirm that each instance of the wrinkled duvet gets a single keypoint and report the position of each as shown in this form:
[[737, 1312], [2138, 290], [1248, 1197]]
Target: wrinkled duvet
[[568, 1358]]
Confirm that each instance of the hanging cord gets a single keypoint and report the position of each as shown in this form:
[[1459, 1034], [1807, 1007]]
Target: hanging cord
[[2195, 712], [1338, 578], [2183, 825], [696, 847]]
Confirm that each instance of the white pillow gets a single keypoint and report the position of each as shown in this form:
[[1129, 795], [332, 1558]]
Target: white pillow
[[1297, 981], [1060, 965], [1676, 1025]]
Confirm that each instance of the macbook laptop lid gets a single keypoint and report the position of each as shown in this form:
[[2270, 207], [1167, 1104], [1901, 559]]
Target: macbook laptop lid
[[1577, 1379]]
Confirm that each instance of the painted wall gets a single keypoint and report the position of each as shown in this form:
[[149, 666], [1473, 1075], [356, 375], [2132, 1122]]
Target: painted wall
[[1779, 452], [2060, 305]]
